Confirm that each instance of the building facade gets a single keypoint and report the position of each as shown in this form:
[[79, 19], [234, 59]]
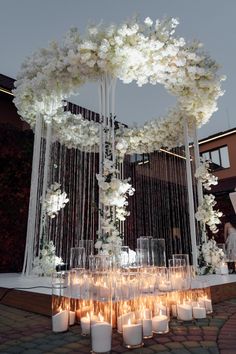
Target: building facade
[[221, 150]]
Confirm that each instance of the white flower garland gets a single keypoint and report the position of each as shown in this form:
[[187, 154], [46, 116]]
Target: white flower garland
[[207, 214], [210, 256], [143, 52], [204, 175]]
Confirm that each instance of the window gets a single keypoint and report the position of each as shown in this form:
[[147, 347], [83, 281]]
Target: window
[[219, 157], [140, 159]]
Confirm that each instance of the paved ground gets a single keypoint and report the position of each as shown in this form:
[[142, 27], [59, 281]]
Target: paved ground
[[25, 332]]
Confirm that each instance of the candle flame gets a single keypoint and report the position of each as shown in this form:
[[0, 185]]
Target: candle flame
[[87, 315], [129, 321], [100, 317]]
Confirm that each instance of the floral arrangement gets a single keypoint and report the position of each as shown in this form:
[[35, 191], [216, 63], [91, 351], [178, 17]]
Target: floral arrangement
[[207, 214], [114, 193], [47, 260], [145, 52], [55, 200], [204, 175], [210, 256]]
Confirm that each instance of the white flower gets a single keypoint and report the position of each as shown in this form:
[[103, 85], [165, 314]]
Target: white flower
[[148, 22], [130, 52], [54, 200], [47, 261]]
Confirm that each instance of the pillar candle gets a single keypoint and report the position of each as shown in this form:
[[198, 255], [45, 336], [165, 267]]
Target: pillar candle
[[199, 312], [160, 324], [123, 319], [60, 321], [132, 334], [101, 337], [85, 325], [184, 312]]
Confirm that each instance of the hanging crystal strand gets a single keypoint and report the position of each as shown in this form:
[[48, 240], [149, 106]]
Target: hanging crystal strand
[[88, 197], [30, 238], [190, 196], [199, 184]]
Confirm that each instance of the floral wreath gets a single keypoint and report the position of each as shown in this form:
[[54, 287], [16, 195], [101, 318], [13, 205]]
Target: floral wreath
[[143, 52]]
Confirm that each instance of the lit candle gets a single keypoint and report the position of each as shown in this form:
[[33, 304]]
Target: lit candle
[[101, 337], [132, 334], [184, 312], [160, 324], [124, 319], [85, 324], [199, 312], [72, 318], [60, 321], [160, 308]]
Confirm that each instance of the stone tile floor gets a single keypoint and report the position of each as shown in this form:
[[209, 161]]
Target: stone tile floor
[[26, 332]]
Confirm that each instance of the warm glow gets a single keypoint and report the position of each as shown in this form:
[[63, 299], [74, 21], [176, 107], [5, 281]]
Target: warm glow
[[100, 317], [129, 322]]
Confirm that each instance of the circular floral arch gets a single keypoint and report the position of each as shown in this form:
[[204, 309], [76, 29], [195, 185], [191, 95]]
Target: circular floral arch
[[143, 52]]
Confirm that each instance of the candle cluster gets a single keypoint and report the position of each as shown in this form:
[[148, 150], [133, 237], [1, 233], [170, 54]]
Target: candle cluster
[[138, 303]]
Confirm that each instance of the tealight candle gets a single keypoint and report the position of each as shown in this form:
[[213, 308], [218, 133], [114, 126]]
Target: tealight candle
[[101, 337], [132, 335], [184, 312], [160, 324], [199, 312], [60, 321]]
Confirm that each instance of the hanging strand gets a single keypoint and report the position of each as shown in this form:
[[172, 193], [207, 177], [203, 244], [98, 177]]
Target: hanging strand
[[30, 238]]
